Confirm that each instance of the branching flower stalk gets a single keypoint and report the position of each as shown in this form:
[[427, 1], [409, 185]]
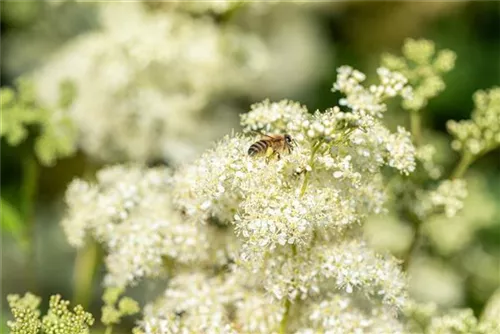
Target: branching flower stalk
[[465, 161], [424, 69], [479, 135]]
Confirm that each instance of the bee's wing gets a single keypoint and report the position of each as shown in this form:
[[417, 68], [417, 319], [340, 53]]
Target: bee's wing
[[274, 137], [257, 133]]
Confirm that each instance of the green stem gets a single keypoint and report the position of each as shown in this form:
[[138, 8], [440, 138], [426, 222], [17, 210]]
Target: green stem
[[413, 246], [109, 329], [284, 321], [416, 223], [86, 263], [29, 189], [416, 127], [311, 164], [304, 184], [465, 161], [225, 18]]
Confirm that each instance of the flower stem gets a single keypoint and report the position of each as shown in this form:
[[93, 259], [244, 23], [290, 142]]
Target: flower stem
[[413, 246], [311, 164], [29, 189], [416, 222], [465, 161], [416, 127], [284, 321], [109, 329], [304, 184], [86, 263]]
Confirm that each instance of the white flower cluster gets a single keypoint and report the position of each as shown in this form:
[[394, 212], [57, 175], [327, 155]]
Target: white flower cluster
[[427, 318], [141, 87], [425, 154], [346, 266], [371, 100], [129, 211], [372, 143], [448, 197], [401, 151], [226, 184], [341, 315], [478, 213], [146, 80], [196, 303], [298, 215], [280, 232], [424, 69], [481, 133], [193, 303], [461, 322], [450, 194], [266, 116]]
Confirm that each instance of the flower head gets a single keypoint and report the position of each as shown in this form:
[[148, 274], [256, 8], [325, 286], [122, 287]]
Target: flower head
[[423, 68], [130, 211], [481, 133]]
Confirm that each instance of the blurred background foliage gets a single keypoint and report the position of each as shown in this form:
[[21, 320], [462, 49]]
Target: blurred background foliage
[[458, 262]]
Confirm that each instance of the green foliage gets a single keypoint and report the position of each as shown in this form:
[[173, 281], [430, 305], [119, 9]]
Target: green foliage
[[12, 221], [54, 130], [58, 320]]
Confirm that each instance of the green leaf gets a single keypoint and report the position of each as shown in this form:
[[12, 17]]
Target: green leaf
[[12, 222], [57, 134]]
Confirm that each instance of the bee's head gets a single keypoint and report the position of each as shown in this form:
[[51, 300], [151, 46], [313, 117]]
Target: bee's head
[[288, 139]]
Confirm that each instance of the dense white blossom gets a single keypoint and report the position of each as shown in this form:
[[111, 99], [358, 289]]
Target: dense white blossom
[[277, 231], [339, 315], [256, 312], [134, 96], [370, 100], [129, 210], [193, 303], [297, 214], [146, 91]]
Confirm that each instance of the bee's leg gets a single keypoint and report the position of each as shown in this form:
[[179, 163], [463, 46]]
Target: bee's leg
[[278, 155], [269, 154]]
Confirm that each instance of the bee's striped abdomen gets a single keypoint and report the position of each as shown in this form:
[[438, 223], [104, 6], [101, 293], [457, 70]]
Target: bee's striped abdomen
[[258, 147]]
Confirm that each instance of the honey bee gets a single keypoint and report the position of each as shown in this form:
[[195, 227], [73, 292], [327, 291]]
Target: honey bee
[[272, 145]]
